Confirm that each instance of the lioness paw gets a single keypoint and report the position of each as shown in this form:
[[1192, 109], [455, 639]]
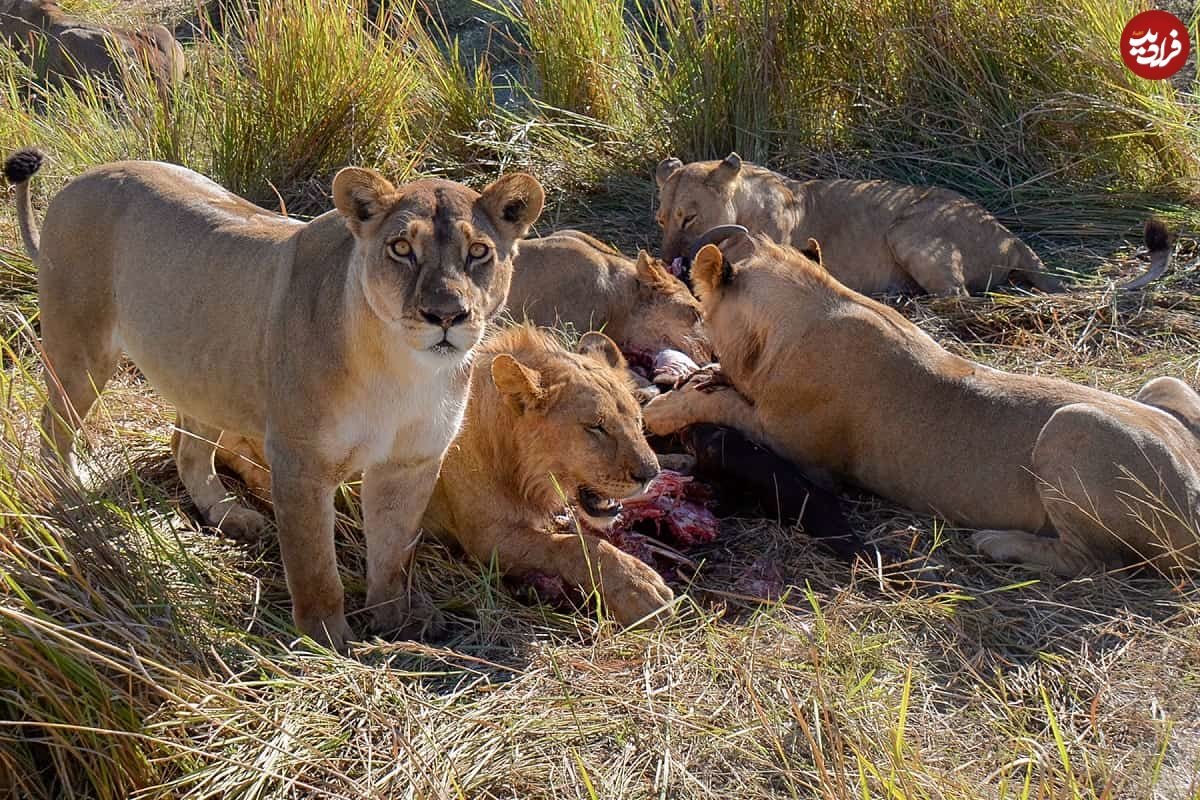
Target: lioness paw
[[242, 524], [402, 619], [332, 631], [635, 593], [1004, 546]]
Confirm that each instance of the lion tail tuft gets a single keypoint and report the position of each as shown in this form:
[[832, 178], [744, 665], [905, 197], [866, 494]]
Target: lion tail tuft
[[18, 169]]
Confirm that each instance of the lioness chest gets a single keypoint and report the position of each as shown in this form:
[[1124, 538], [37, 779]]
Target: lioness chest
[[408, 420]]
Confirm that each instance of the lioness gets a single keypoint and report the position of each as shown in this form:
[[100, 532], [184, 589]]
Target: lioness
[[343, 342], [877, 236], [842, 383], [570, 277], [71, 48], [543, 424]]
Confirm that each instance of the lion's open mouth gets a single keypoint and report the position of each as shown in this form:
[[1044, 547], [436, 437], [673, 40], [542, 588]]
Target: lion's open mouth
[[596, 505]]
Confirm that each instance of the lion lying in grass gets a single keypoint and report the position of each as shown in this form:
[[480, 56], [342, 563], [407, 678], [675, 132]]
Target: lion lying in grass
[[569, 277], [344, 343], [61, 47], [876, 236], [544, 427], [841, 383]]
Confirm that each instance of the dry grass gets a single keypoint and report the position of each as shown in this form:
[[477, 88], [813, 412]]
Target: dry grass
[[142, 656]]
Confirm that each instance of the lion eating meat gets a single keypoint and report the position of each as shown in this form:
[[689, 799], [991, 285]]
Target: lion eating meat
[[570, 277], [845, 385]]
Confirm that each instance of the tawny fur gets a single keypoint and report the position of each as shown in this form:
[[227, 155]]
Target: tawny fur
[[571, 278], [343, 342], [521, 450], [61, 47], [876, 236], [846, 385]]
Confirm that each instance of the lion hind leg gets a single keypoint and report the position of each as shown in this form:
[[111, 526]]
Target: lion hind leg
[[935, 263], [80, 357], [195, 445]]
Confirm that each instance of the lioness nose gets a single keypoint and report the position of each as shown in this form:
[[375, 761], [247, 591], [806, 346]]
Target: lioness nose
[[645, 472], [447, 315]]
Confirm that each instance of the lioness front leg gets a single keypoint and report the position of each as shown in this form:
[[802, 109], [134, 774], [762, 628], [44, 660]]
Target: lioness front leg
[[394, 496], [708, 400], [303, 489], [633, 591]]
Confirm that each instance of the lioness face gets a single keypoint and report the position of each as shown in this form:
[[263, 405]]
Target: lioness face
[[579, 428], [668, 315], [694, 198], [434, 258]]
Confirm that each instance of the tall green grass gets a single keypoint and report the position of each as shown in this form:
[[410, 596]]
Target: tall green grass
[[994, 99], [297, 88]]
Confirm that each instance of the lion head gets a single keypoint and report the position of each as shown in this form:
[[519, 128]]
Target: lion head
[[740, 285], [568, 422], [434, 258], [694, 198], [666, 314]]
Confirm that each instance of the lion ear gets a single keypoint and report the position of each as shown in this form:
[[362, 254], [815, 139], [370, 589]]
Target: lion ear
[[520, 385], [513, 202], [649, 273], [361, 194], [666, 168], [728, 169], [710, 269], [812, 250], [601, 348]]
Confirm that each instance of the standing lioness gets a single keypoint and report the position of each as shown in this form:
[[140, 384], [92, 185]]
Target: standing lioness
[[876, 236], [839, 382], [343, 342]]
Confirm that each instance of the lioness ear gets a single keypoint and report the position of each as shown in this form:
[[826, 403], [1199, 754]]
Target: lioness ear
[[710, 268], [520, 385], [666, 168], [812, 250], [360, 194], [598, 346], [728, 169], [513, 202], [649, 273]]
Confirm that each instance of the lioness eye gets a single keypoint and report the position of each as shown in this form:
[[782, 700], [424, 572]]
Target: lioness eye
[[477, 251], [401, 248], [598, 429]]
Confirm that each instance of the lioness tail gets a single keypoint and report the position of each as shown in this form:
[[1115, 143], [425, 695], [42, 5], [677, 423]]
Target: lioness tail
[[18, 169], [1158, 242]]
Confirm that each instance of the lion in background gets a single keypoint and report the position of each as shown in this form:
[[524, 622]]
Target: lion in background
[[844, 384], [544, 427], [876, 236], [60, 47], [568, 277]]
